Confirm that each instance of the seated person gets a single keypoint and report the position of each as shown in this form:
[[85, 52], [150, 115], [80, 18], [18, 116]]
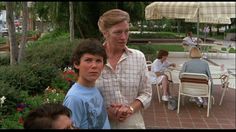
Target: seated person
[[197, 65], [49, 116], [159, 66], [190, 40]]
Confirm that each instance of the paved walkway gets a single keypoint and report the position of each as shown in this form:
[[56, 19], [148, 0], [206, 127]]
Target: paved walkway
[[157, 116]]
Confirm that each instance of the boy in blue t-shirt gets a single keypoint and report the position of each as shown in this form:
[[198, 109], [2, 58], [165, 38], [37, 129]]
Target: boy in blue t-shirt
[[83, 98]]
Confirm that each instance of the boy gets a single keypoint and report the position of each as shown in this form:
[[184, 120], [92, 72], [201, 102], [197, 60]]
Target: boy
[[83, 98], [49, 116]]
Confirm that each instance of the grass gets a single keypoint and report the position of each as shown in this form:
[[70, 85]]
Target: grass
[[155, 47]]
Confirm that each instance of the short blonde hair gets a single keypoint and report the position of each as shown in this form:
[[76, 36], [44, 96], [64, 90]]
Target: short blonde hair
[[195, 53], [111, 18]]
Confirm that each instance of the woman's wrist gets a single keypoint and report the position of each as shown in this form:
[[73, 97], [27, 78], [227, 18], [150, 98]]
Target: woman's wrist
[[131, 109]]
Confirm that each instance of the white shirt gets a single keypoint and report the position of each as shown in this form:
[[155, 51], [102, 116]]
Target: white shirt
[[158, 66], [129, 81], [190, 41]]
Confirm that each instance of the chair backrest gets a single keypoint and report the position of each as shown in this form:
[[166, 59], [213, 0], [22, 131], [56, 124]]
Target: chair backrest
[[194, 84]]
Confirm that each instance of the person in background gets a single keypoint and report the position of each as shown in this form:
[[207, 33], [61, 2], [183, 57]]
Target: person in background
[[159, 66], [49, 116], [197, 65], [124, 81], [83, 98], [206, 31], [190, 41]]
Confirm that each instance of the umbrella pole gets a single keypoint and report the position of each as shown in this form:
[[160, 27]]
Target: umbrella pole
[[197, 26]]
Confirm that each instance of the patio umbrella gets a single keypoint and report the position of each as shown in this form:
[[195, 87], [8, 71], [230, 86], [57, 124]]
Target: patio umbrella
[[198, 11], [210, 20]]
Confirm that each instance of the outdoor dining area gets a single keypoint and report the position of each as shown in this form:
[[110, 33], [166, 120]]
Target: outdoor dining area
[[221, 110]]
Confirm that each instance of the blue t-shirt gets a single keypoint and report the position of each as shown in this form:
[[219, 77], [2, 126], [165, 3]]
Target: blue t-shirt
[[87, 106]]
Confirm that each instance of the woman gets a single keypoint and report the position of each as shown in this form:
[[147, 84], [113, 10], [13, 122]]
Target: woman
[[197, 65], [124, 81], [158, 67]]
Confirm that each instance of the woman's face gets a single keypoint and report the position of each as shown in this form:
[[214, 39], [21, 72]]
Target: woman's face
[[118, 35]]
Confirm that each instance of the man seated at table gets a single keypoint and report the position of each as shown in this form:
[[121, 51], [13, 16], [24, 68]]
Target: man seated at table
[[191, 41]]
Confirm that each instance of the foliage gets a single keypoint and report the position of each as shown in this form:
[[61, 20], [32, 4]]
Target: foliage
[[231, 30], [53, 95], [51, 50], [60, 83], [2, 40], [86, 16], [15, 119], [11, 122], [31, 77], [11, 98], [4, 59]]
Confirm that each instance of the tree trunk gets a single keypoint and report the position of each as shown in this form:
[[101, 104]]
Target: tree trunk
[[11, 33], [41, 30], [24, 32], [141, 27], [71, 22], [210, 32]]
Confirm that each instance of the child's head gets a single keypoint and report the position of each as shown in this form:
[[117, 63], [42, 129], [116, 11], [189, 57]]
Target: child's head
[[49, 116], [162, 53], [84, 49]]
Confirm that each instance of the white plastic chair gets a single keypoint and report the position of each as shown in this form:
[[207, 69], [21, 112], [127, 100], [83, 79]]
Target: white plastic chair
[[195, 85], [159, 86], [225, 85]]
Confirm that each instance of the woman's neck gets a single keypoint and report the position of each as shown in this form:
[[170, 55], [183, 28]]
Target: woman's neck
[[112, 51]]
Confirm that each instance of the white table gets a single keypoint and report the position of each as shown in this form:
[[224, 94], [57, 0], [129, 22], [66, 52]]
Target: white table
[[215, 47]]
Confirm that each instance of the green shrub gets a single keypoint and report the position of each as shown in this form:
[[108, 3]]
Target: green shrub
[[2, 40], [4, 59], [60, 83], [54, 95], [31, 77], [57, 53], [232, 30], [10, 94], [29, 33], [54, 35], [133, 28], [11, 122]]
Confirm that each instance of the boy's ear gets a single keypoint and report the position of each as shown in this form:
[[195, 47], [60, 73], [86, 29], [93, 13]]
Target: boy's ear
[[76, 66]]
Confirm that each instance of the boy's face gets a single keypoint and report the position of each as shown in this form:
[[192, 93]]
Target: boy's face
[[89, 68], [62, 122]]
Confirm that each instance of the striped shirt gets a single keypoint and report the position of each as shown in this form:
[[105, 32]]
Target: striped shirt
[[129, 81]]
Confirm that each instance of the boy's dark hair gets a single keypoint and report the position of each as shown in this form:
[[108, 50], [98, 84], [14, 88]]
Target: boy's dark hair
[[162, 53], [44, 116], [90, 46]]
